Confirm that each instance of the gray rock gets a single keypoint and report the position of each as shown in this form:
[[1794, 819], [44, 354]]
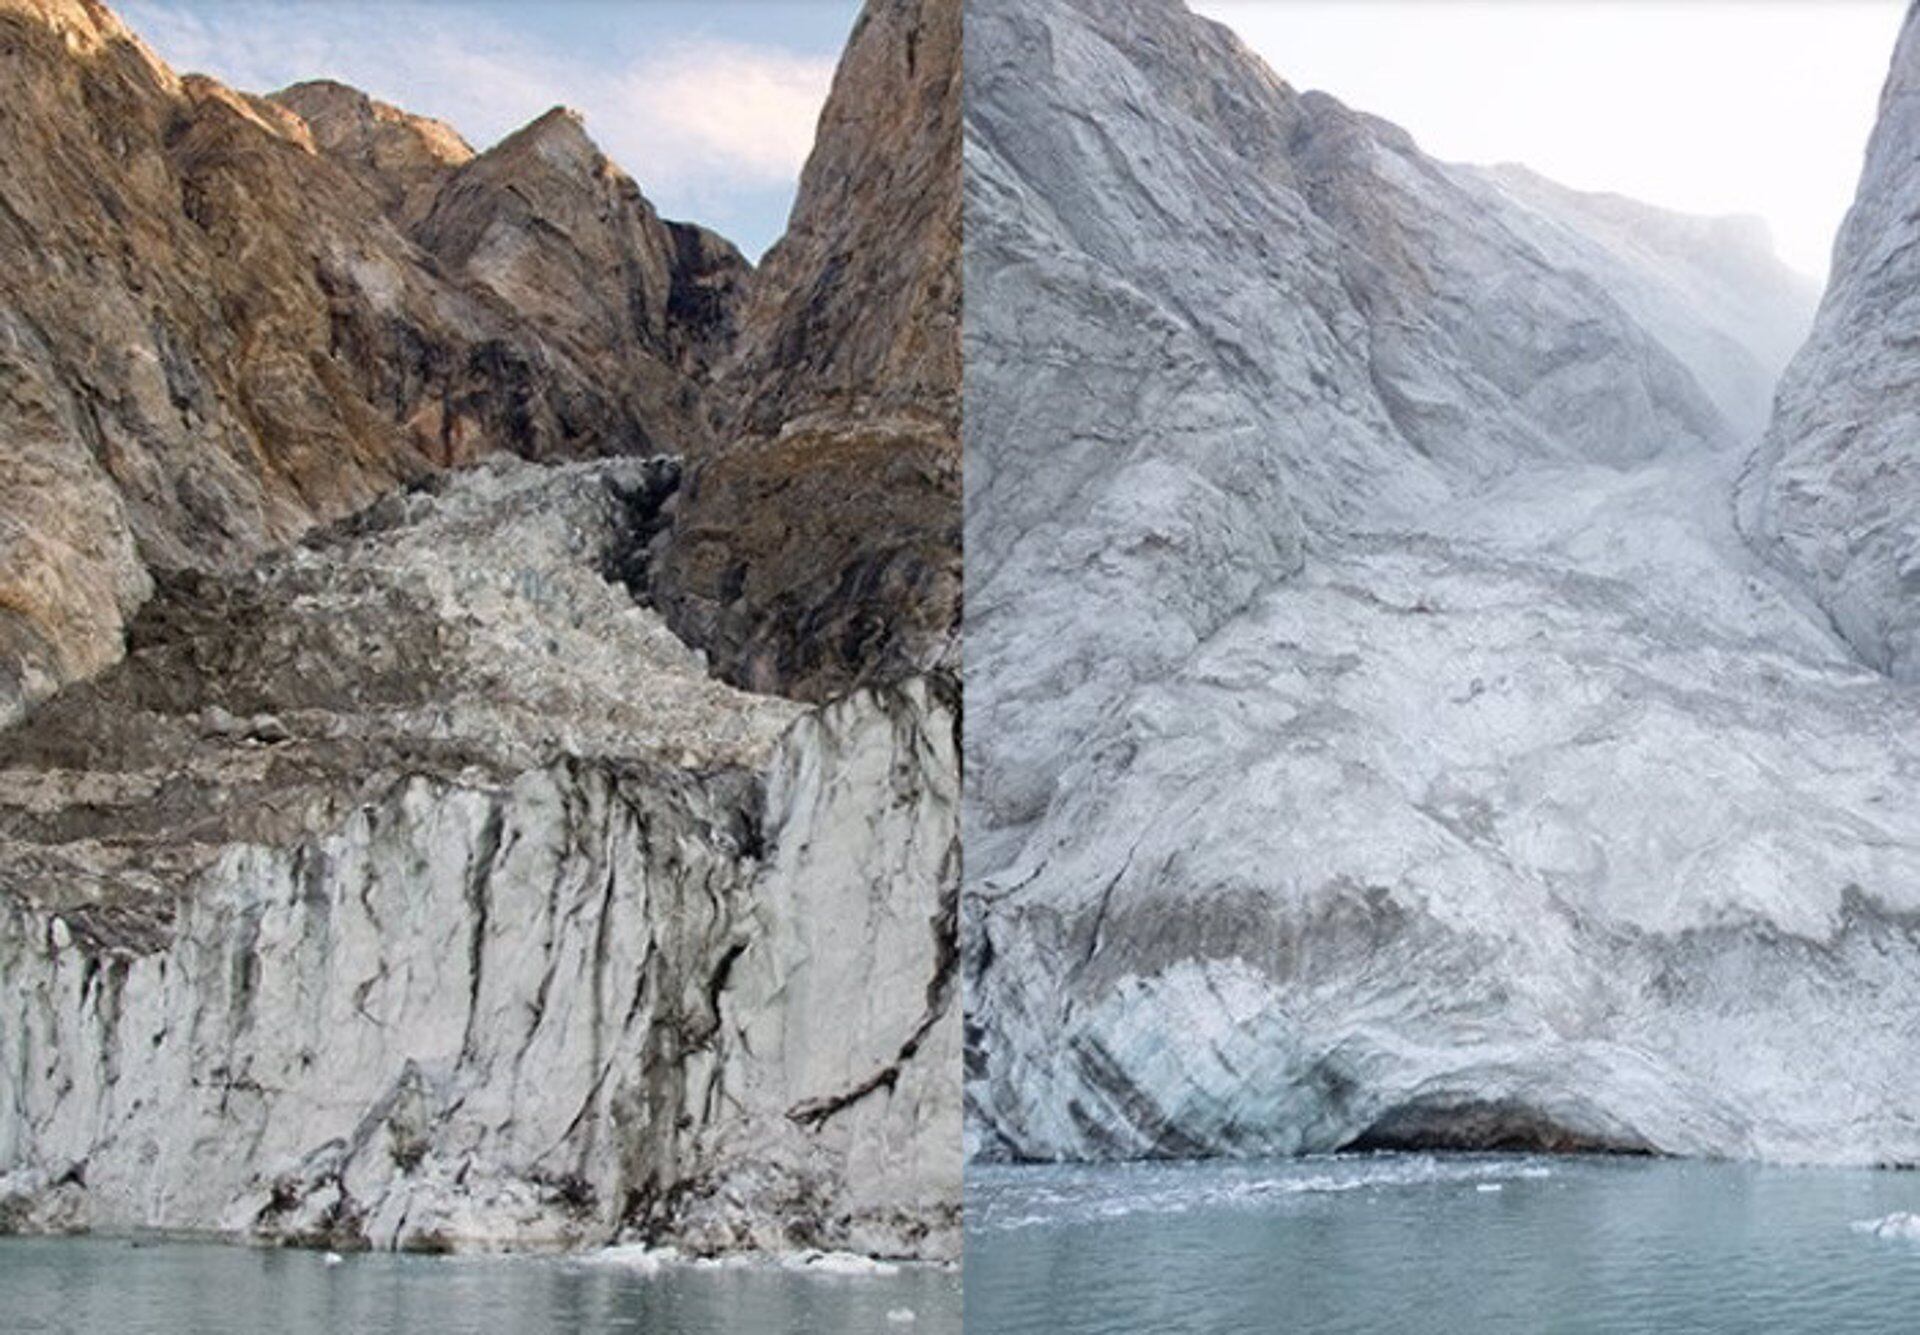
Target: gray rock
[[1833, 495], [1379, 733]]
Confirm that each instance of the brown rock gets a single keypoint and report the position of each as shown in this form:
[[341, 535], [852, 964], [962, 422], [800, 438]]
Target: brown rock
[[212, 336], [821, 546], [547, 223], [400, 158]]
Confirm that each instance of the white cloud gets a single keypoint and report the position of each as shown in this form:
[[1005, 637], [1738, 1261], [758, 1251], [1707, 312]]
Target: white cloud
[[722, 106]]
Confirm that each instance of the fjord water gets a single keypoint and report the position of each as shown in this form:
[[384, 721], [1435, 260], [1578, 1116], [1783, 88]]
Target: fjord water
[[1454, 1245], [80, 1286]]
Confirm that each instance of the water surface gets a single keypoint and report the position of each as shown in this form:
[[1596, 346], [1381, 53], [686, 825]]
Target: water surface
[[93, 1286], [1456, 1245]]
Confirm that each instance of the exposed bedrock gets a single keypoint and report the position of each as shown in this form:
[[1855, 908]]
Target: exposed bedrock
[[819, 546], [1833, 495], [216, 329], [1379, 732]]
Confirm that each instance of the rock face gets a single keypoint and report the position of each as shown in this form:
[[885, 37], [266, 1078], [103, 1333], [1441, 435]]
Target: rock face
[[401, 159], [842, 439], [1378, 732], [213, 337], [1262, 315], [1709, 288], [548, 224], [377, 866], [1833, 496], [417, 888]]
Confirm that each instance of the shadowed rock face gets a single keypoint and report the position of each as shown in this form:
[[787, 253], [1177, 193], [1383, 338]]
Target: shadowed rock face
[[819, 546], [1833, 494], [545, 222], [377, 866], [1379, 732], [214, 336]]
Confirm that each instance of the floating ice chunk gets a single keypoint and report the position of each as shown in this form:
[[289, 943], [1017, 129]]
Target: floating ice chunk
[[634, 1256], [1901, 1224], [841, 1263], [900, 1316], [1489, 1187]]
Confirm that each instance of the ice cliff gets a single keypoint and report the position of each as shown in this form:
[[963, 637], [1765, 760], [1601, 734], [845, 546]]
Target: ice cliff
[[383, 861], [419, 889], [1379, 732]]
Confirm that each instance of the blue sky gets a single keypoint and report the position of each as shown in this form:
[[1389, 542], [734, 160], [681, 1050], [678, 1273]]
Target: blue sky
[[709, 104]]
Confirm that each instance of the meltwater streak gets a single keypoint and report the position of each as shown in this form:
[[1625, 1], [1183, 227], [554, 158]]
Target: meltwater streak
[[97, 1286], [1441, 1245]]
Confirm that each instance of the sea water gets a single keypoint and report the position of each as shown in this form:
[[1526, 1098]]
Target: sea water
[[150, 1286], [1443, 1245]]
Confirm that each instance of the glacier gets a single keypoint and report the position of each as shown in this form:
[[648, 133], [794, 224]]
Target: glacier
[[508, 926], [1383, 730]]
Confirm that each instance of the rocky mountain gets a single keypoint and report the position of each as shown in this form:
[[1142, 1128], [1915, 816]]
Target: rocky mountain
[[546, 223], [1379, 733], [844, 436], [400, 158], [1834, 494], [378, 866], [1709, 288], [215, 338]]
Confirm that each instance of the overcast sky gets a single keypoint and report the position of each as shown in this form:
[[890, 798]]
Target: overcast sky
[[1707, 106], [709, 104]]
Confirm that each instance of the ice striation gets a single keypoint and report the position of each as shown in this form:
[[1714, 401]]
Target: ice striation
[[506, 925], [383, 862], [1380, 732]]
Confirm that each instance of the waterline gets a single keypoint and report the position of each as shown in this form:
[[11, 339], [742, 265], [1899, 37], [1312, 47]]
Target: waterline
[[1439, 1245]]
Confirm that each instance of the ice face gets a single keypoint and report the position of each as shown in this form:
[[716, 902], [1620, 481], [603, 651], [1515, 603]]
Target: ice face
[[1379, 732]]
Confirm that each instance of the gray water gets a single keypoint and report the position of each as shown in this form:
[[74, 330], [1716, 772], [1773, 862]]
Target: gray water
[[1440, 1245], [97, 1286]]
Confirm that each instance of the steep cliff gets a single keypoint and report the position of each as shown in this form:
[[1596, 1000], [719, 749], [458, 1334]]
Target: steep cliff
[[1378, 732], [1833, 495], [1710, 288], [416, 888], [377, 866], [548, 224], [212, 337], [842, 429]]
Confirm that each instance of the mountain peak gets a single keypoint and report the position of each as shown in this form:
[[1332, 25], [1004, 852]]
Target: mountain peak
[[559, 136], [559, 115], [338, 112], [402, 158]]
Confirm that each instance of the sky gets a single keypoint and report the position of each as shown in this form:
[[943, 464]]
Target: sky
[[710, 105], [1705, 106]]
